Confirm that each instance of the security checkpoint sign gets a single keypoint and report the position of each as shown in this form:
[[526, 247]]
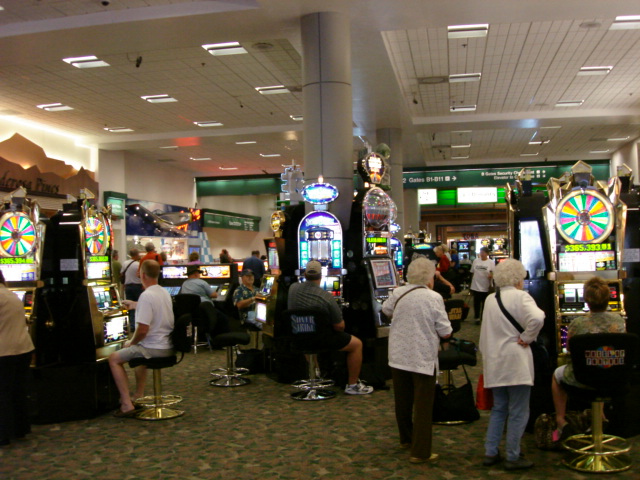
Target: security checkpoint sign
[[478, 195]]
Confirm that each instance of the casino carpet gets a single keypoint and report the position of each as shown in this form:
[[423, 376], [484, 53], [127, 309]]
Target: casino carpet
[[257, 431]]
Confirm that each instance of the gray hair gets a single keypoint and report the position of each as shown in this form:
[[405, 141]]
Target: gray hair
[[421, 271], [509, 273], [149, 247]]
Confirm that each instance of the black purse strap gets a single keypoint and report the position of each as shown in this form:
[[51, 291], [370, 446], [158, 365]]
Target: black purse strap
[[506, 313]]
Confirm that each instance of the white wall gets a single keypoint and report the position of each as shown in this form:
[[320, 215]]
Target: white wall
[[240, 243], [629, 155]]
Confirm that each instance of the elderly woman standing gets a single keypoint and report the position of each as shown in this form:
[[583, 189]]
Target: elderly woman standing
[[508, 362], [419, 322]]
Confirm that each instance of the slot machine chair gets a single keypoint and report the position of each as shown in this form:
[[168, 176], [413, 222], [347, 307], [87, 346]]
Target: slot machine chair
[[189, 303], [160, 408], [607, 377], [308, 329], [230, 376], [452, 355]]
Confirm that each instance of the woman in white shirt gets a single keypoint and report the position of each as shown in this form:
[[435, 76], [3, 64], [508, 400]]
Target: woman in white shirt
[[419, 321]]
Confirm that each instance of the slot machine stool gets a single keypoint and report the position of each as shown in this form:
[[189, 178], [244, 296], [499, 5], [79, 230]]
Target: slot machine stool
[[604, 362], [307, 329], [230, 376], [157, 407], [189, 303]]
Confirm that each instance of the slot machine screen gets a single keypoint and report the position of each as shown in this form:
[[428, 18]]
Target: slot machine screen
[[174, 272], [272, 258], [98, 268], [267, 284], [464, 246], [261, 312], [586, 257], [215, 271], [104, 297], [330, 284], [18, 269], [383, 273], [223, 291], [115, 328], [173, 291]]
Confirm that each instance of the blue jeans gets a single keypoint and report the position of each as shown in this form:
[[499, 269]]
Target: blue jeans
[[510, 405]]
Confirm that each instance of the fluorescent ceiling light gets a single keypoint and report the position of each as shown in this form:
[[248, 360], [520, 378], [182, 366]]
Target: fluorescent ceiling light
[[297, 118], [617, 139], [459, 158], [468, 145], [595, 70], [460, 132], [248, 142], [539, 142], [272, 90], [465, 77], [199, 159], [462, 108], [118, 129], [54, 107], [529, 154], [468, 31], [228, 48], [569, 103], [266, 155], [170, 147], [86, 62], [164, 98], [228, 168], [626, 22], [600, 151], [208, 124]]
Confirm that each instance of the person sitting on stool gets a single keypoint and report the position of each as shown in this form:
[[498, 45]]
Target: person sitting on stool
[[244, 298], [214, 321], [309, 295], [152, 338], [596, 294]]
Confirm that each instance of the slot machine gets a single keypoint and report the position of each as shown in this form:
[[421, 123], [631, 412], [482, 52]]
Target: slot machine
[[267, 305], [224, 277], [21, 238], [585, 224]]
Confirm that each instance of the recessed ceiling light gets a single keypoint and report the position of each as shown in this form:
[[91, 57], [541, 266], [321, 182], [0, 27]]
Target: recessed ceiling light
[[462, 108], [297, 118], [459, 158], [595, 70], [164, 98], [272, 90], [468, 31], [54, 107], [529, 154], [228, 168], [208, 124], [199, 159], [468, 145], [248, 142], [228, 48], [617, 139], [266, 155], [85, 62], [626, 22], [118, 129], [600, 151], [465, 77], [569, 103]]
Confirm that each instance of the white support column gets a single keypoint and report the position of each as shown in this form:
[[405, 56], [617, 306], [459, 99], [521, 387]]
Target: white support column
[[326, 89], [411, 211]]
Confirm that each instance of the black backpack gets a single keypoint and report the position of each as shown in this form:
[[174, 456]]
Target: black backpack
[[181, 341]]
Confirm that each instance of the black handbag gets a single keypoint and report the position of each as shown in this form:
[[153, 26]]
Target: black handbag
[[538, 350], [455, 404]]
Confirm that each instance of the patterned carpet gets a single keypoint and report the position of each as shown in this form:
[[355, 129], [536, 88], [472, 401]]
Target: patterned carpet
[[257, 431]]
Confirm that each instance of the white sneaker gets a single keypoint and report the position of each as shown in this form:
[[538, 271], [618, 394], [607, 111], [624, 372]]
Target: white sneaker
[[358, 389]]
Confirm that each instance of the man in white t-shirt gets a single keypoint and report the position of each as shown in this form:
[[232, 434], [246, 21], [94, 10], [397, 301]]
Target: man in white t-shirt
[[482, 271], [152, 338]]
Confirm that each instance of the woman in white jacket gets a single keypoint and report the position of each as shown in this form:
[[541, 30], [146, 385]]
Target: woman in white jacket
[[508, 362]]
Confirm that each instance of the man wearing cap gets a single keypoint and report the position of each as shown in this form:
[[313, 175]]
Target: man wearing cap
[[482, 271], [214, 321], [309, 295], [244, 298]]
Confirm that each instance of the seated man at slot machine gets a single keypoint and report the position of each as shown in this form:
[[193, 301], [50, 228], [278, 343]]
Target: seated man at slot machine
[[214, 321], [309, 295], [598, 320], [152, 338], [244, 298]]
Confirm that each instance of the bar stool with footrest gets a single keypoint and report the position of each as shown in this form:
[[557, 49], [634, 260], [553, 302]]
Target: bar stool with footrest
[[190, 303], [603, 362], [309, 329], [230, 376], [159, 409]]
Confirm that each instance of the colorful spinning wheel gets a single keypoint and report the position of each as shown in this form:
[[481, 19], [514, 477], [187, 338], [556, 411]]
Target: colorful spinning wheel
[[584, 217], [17, 234], [96, 236]]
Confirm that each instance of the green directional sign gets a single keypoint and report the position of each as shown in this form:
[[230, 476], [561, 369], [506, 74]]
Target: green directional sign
[[230, 221], [490, 177]]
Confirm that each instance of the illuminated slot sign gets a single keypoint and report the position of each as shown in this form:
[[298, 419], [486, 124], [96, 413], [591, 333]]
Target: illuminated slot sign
[[587, 247], [215, 271], [377, 240], [427, 196], [16, 261], [478, 195], [98, 258]]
